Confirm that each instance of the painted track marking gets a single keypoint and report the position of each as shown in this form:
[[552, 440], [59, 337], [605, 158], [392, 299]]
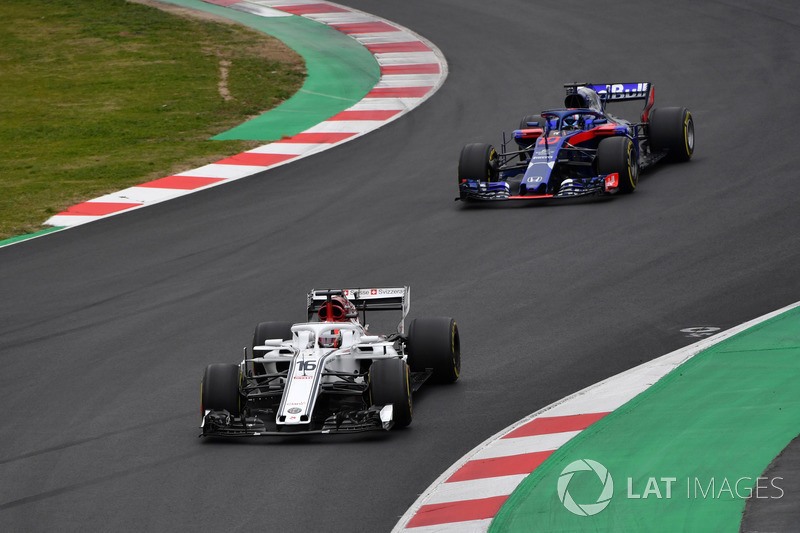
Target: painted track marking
[[467, 496]]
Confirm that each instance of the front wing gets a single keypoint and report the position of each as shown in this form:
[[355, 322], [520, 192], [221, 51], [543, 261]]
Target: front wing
[[258, 423], [570, 188]]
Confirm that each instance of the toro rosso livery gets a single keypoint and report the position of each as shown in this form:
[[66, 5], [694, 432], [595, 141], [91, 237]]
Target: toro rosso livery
[[579, 150], [329, 375]]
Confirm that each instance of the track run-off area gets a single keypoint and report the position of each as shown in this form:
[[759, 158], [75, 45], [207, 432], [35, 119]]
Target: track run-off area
[[363, 72], [712, 415], [108, 325]]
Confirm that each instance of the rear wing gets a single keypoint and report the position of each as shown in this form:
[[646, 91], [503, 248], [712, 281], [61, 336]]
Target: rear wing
[[371, 298], [618, 92]]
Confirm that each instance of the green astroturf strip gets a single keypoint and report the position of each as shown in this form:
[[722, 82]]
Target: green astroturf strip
[[340, 73], [27, 236], [684, 454]]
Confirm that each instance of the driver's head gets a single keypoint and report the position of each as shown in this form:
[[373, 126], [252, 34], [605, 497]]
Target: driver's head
[[331, 339], [573, 122]]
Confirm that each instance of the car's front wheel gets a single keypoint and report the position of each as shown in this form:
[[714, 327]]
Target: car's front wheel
[[389, 383], [617, 155], [219, 390], [478, 161]]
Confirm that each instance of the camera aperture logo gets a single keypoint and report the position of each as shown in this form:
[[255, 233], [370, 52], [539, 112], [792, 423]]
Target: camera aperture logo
[[606, 492]]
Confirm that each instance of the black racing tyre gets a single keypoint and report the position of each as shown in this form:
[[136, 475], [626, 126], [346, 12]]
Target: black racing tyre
[[618, 155], [523, 123], [672, 129], [527, 147], [478, 161], [434, 343], [219, 390], [389, 384], [270, 330]]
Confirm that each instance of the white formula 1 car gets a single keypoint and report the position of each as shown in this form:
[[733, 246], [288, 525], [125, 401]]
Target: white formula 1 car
[[328, 375]]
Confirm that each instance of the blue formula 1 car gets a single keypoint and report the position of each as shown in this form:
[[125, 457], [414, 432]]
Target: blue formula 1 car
[[579, 150]]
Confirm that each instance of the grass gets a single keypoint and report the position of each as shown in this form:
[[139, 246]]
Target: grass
[[100, 95]]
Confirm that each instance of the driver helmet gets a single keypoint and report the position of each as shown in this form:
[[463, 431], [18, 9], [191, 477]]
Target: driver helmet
[[331, 339], [337, 310], [573, 122]]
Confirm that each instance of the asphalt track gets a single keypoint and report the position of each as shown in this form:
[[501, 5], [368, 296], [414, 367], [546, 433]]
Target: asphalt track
[[105, 328]]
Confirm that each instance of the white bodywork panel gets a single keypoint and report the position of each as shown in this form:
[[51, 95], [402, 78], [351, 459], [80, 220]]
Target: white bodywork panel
[[310, 358]]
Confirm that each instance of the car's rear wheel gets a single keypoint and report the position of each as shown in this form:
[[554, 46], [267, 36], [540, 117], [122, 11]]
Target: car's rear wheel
[[672, 129], [389, 384], [434, 343], [523, 123], [478, 161], [526, 144], [219, 390], [270, 330], [617, 155]]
